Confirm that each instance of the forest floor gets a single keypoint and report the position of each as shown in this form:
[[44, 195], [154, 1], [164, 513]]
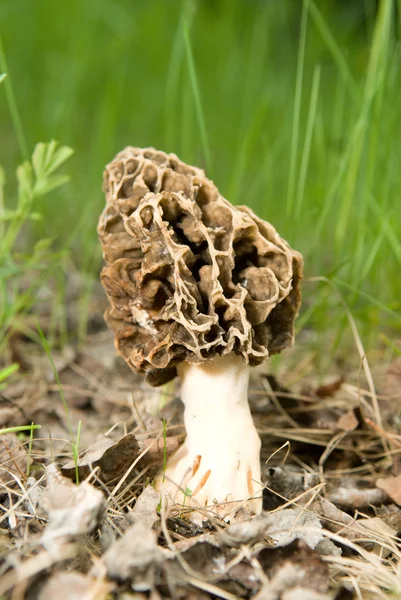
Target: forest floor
[[330, 467]]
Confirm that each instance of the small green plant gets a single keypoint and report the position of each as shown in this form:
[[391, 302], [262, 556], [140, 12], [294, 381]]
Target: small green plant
[[35, 178], [74, 442], [187, 494]]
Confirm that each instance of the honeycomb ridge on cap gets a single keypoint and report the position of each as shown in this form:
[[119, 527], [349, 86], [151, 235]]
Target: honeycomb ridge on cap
[[188, 275]]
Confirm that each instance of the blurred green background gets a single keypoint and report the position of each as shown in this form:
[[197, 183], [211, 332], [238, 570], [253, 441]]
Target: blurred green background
[[292, 107]]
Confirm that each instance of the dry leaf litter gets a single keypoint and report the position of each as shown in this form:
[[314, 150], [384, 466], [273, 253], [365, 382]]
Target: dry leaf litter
[[330, 468]]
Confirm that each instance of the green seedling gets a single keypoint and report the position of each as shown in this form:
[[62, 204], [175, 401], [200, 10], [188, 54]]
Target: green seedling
[[74, 442]]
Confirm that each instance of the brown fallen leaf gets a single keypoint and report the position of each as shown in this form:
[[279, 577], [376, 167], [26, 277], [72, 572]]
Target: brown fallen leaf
[[348, 421], [135, 557], [295, 523], [209, 563], [145, 509], [112, 458], [327, 548], [335, 519], [329, 389], [72, 510], [246, 532], [390, 514], [41, 561], [353, 497], [243, 574], [159, 447], [364, 531], [74, 586], [391, 486], [374, 527], [282, 526], [294, 565], [202, 557]]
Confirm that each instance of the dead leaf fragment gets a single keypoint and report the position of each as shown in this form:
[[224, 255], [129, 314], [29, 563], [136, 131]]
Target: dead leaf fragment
[[145, 509], [335, 519], [73, 510], [328, 548], [294, 565], [330, 388], [348, 421], [244, 575], [34, 492], [369, 532], [353, 497], [246, 532], [375, 527], [74, 586], [295, 523], [209, 563], [283, 526], [282, 582], [134, 557], [202, 557], [112, 458], [392, 486], [160, 447], [391, 515]]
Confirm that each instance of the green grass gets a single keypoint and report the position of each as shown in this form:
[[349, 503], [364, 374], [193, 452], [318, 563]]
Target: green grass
[[292, 106]]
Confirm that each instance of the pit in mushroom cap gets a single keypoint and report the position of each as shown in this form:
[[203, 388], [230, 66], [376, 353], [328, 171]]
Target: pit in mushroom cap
[[188, 275]]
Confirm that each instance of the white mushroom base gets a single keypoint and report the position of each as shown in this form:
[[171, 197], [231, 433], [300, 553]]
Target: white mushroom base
[[217, 468]]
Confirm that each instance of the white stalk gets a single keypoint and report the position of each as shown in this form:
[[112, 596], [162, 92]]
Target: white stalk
[[218, 466]]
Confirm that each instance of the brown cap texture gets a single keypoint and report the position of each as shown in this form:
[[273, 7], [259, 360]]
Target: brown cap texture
[[188, 275]]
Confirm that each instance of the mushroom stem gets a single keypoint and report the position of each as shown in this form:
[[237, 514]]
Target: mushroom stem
[[218, 466]]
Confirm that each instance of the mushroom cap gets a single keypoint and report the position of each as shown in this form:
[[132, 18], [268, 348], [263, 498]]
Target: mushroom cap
[[188, 275]]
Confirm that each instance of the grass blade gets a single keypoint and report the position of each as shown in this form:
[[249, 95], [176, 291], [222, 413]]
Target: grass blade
[[197, 99], [334, 48], [19, 429], [12, 104], [310, 124], [297, 110]]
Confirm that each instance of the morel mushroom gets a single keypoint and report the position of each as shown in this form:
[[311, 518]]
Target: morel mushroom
[[202, 289]]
